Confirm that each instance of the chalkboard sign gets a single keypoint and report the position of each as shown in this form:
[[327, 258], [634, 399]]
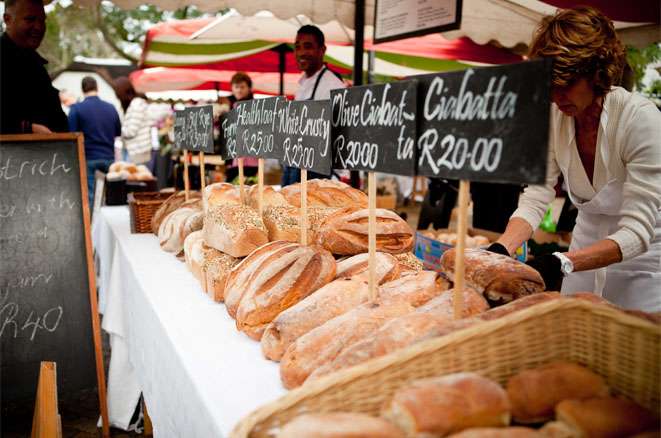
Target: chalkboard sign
[[228, 123], [488, 124], [374, 128], [47, 290], [302, 132], [199, 128], [180, 129], [254, 132]]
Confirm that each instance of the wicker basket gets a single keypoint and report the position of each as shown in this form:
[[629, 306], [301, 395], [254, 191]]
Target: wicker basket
[[622, 348], [143, 205]]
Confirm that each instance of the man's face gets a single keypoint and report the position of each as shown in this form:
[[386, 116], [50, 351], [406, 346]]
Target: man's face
[[240, 90], [26, 23], [309, 55]]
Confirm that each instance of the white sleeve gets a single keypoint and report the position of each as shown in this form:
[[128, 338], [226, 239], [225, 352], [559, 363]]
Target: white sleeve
[[641, 197], [535, 199]]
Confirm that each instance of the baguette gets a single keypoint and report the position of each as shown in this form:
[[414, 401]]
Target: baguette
[[439, 406], [282, 279], [500, 278], [324, 343], [234, 229], [333, 299], [346, 232], [606, 417], [339, 425], [326, 193], [405, 330], [534, 393], [386, 269]]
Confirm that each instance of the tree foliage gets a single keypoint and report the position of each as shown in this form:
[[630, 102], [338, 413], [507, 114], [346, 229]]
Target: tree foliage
[[639, 59]]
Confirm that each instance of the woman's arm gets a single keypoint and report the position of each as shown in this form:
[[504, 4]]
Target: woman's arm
[[517, 231], [602, 253]]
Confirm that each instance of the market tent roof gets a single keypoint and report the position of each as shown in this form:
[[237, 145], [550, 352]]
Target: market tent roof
[[510, 23]]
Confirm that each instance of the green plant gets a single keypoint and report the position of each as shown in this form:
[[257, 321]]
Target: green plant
[[639, 59]]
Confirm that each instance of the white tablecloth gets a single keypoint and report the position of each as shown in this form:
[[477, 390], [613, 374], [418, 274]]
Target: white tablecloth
[[198, 374]]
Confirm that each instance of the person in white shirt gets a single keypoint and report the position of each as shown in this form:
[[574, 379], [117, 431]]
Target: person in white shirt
[[316, 82], [606, 142]]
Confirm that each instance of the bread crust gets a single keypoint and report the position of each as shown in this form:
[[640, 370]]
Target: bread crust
[[234, 229]]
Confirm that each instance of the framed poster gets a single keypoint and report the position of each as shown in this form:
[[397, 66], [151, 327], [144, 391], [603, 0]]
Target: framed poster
[[399, 19]]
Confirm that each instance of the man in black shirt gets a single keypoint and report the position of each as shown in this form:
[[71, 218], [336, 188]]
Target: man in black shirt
[[28, 101]]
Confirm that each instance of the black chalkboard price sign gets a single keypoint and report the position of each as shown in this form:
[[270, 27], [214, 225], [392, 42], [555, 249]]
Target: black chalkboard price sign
[[199, 128], [254, 132], [228, 124], [180, 129], [485, 124], [302, 133], [374, 128], [48, 308]]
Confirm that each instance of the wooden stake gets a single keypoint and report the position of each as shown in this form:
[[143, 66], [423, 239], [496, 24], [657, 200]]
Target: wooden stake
[[186, 180], [260, 187], [304, 207], [243, 200], [203, 182], [148, 428], [462, 227], [371, 184], [46, 421]]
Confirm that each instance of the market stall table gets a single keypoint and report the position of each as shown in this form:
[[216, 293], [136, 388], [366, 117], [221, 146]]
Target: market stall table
[[198, 374]]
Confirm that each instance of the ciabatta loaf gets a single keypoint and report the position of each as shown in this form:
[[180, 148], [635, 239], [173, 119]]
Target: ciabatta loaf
[[386, 267], [339, 425], [326, 193], [325, 342], [425, 323], [333, 299], [234, 229], [534, 393], [346, 232], [439, 406], [500, 278]]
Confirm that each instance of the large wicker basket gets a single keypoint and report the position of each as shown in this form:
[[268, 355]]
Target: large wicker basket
[[624, 349], [143, 205]]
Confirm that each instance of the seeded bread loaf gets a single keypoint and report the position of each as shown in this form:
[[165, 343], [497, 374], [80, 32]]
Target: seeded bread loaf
[[234, 229], [220, 193], [283, 222], [215, 269]]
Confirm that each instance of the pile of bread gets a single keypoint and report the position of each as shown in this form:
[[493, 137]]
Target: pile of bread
[[557, 400], [128, 171], [474, 241]]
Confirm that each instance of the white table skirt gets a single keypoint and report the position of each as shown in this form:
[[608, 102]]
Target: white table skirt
[[198, 374]]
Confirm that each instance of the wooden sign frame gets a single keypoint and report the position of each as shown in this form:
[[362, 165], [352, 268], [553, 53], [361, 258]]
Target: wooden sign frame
[[91, 276]]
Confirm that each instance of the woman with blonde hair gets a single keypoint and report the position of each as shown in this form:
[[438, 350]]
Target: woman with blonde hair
[[606, 142]]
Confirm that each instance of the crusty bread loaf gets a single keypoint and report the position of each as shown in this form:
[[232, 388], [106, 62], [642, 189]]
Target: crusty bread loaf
[[194, 250], [558, 429], [339, 425], [333, 299], [500, 278], [326, 193], [215, 269], [405, 330], [220, 193], [175, 201], [346, 232], [270, 197], [439, 406], [324, 343], [386, 267], [606, 417], [239, 276], [234, 229], [177, 226], [409, 262], [499, 432], [283, 222], [283, 278], [534, 393], [416, 289]]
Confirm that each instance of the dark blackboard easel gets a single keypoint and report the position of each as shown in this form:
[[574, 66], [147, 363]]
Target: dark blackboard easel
[[45, 267]]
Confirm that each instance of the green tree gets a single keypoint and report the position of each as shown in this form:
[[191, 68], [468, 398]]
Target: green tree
[[639, 59]]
